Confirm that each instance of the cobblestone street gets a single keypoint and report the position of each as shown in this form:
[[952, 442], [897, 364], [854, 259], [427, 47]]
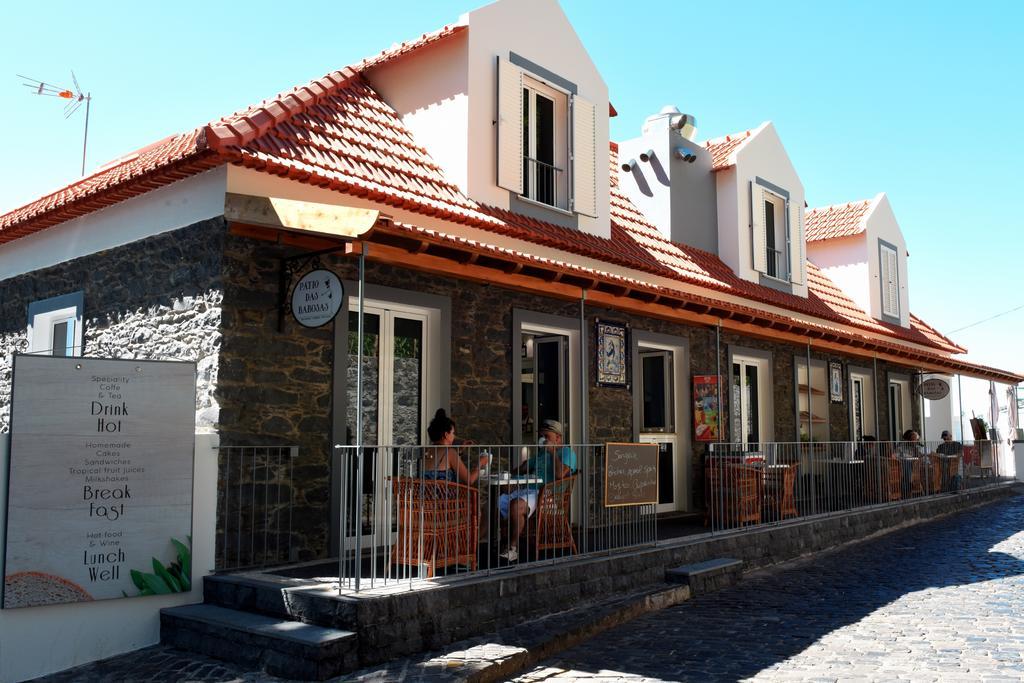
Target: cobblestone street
[[940, 601]]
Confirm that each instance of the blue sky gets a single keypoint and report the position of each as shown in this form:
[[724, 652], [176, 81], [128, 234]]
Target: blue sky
[[921, 100]]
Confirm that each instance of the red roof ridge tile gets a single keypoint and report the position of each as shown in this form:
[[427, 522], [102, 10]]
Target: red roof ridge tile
[[246, 126], [722, 148], [840, 205], [401, 49]]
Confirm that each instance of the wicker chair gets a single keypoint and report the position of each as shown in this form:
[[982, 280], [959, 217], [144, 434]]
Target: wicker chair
[[553, 529], [438, 524], [884, 477], [917, 477], [935, 473], [780, 486], [734, 494]]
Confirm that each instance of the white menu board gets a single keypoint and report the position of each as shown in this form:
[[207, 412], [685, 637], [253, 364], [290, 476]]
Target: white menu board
[[100, 479]]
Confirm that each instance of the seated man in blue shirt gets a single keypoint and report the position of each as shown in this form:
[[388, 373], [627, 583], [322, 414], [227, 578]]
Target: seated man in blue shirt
[[551, 462]]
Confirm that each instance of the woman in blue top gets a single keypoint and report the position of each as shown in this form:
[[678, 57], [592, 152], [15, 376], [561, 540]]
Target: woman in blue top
[[443, 462]]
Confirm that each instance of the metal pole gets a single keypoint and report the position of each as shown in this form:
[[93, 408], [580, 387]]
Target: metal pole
[[960, 400], [85, 139], [920, 380], [718, 381], [874, 399], [810, 434], [584, 425], [359, 422], [584, 498]]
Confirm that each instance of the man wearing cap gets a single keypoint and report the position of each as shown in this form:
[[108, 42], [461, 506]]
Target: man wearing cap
[[950, 448], [551, 461]]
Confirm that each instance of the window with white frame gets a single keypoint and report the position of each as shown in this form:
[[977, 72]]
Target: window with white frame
[[777, 232], [888, 269], [862, 404], [55, 325], [547, 147], [899, 408], [751, 409]]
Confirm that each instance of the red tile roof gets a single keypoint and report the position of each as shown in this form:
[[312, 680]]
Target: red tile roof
[[336, 132], [722, 149], [839, 220]]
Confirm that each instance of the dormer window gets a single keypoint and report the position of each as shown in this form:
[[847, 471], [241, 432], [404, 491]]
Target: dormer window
[[547, 146], [777, 242]]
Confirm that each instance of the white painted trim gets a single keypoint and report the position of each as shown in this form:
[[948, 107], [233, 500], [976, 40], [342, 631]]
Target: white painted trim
[[169, 208]]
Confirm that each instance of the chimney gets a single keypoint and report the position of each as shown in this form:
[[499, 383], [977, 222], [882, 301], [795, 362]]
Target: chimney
[[668, 176]]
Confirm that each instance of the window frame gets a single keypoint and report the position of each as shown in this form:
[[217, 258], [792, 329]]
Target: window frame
[[790, 269], [561, 143], [43, 315]]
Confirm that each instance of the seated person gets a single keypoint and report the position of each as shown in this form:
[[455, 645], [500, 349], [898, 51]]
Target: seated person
[[866, 448], [443, 462], [551, 462], [909, 450], [950, 448], [910, 447]]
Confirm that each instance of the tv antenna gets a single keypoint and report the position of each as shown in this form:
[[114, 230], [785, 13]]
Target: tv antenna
[[74, 98]]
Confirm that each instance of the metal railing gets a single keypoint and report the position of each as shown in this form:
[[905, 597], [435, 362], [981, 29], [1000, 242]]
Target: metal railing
[[255, 502], [409, 522], [774, 263], [541, 183], [770, 483]]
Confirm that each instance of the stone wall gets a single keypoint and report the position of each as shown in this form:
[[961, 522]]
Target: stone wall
[[158, 299]]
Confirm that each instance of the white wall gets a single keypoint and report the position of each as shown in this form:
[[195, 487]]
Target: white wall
[[939, 415], [845, 261], [175, 206], [882, 225], [539, 31], [431, 93], [35, 641], [764, 156]]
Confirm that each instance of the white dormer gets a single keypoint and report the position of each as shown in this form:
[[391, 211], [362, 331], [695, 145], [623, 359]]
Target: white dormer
[[514, 111], [760, 209], [860, 247]]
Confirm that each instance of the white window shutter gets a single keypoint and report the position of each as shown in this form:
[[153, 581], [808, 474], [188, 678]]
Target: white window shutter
[[796, 243], [510, 126], [890, 282], [759, 243], [584, 157]]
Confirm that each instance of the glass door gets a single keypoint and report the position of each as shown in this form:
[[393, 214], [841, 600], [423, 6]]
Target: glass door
[[544, 382], [857, 407], [393, 400], [658, 422], [747, 410]]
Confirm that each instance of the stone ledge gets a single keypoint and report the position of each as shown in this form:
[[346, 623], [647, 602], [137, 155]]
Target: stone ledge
[[705, 577]]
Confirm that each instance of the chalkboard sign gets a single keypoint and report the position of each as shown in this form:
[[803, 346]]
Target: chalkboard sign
[[630, 474]]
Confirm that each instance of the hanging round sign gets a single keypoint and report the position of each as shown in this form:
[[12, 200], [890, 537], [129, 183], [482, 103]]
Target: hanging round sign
[[317, 298], [934, 389]]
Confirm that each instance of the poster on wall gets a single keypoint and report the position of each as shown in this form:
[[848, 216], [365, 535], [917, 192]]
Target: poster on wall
[[705, 408], [99, 492]]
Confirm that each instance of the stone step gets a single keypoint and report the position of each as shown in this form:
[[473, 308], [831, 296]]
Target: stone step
[[298, 599], [709, 576], [280, 647]]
